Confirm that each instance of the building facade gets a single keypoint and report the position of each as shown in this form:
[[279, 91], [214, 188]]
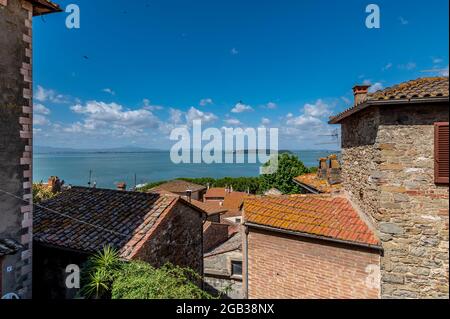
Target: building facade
[[308, 247], [152, 227], [389, 170], [16, 119]]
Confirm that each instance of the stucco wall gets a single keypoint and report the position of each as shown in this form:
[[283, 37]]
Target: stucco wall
[[283, 266], [218, 275], [388, 170], [16, 140]]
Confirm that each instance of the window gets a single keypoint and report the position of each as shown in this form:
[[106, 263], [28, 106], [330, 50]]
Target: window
[[441, 162], [236, 268]]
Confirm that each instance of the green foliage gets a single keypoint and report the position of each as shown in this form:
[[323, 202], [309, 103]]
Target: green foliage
[[239, 184], [289, 166], [99, 271], [106, 276], [139, 280], [149, 186], [42, 193]]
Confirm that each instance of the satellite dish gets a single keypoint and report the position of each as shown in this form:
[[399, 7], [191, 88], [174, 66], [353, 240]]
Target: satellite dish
[[11, 296]]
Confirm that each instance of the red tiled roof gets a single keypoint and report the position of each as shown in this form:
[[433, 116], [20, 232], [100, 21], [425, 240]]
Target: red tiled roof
[[94, 218], [210, 208], [234, 200], [319, 215], [321, 185], [422, 88], [180, 186], [216, 192]]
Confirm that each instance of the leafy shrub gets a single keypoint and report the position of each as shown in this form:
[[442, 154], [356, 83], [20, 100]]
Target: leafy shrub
[[42, 193], [106, 276]]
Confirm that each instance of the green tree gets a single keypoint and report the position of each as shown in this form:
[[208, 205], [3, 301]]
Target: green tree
[[289, 166], [106, 276]]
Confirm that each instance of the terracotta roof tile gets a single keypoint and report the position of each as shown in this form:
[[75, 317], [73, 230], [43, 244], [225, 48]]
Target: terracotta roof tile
[[180, 186], [94, 218], [321, 185], [210, 208], [216, 192], [429, 87], [321, 215]]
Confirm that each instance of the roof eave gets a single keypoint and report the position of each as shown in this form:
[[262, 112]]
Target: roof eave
[[337, 119], [42, 7], [311, 236], [308, 187]]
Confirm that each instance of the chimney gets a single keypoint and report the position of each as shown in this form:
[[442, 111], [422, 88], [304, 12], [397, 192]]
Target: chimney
[[189, 195], [334, 170], [360, 93], [121, 186], [322, 171]]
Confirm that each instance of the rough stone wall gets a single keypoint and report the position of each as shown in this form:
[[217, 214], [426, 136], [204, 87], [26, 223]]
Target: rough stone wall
[[16, 140], [178, 240], [282, 266], [218, 278], [397, 191], [214, 234]]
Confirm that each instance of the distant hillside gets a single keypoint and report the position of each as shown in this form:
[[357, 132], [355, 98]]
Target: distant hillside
[[55, 150]]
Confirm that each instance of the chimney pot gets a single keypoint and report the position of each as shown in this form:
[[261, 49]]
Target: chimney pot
[[360, 93]]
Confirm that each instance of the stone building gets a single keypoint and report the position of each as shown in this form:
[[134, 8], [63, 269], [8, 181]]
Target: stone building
[[156, 228], [16, 121], [308, 246], [223, 266], [183, 188], [395, 169]]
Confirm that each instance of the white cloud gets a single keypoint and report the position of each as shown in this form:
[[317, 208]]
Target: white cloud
[[317, 110], [109, 91], [437, 60], [376, 87], [205, 102], [40, 120], [148, 106], [195, 114], [403, 21], [346, 100], [233, 122], [265, 121], [175, 116], [271, 106], [112, 118], [387, 66], [44, 95], [241, 107], [408, 66], [41, 109], [234, 51]]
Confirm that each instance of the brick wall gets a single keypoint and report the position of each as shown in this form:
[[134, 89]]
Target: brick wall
[[283, 266], [388, 171], [16, 139], [177, 239]]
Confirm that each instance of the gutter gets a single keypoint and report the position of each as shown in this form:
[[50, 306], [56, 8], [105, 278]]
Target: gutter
[[310, 236], [355, 109]]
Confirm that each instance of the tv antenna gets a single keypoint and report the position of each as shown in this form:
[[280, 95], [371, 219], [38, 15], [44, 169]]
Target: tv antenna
[[335, 138]]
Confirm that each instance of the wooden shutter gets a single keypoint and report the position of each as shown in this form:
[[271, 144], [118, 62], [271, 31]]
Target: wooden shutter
[[441, 162]]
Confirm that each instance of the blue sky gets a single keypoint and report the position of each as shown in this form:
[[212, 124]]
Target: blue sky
[[136, 69]]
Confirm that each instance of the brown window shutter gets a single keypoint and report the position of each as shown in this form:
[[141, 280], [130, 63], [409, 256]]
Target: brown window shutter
[[441, 164]]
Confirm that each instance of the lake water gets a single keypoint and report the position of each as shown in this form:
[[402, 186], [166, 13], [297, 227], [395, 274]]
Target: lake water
[[110, 168]]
